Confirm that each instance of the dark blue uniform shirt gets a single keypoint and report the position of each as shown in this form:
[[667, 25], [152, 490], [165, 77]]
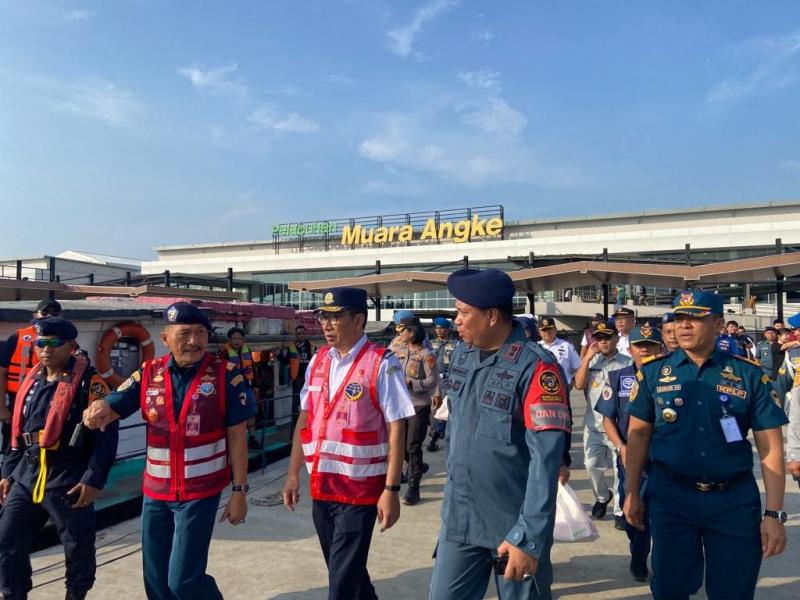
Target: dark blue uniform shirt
[[728, 343], [615, 399], [693, 444], [89, 462], [126, 400]]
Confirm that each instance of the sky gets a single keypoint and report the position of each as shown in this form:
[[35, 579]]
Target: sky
[[133, 124]]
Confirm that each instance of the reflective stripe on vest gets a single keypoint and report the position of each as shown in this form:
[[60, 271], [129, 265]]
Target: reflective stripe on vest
[[346, 443]]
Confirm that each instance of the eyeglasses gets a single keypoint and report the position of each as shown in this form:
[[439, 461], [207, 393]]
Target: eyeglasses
[[332, 319], [50, 342], [602, 338]]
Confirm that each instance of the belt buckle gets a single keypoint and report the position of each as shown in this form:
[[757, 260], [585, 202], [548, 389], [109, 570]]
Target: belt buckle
[[703, 487], [26, 437], [31, 458]]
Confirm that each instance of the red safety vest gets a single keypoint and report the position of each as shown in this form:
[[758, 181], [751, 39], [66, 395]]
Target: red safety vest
[[346, 442], [23, 359], [66, 389], [187, 460]]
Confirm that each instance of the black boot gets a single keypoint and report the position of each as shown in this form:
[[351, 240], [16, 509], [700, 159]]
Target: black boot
[[75, 594], [412, 495], [433, 446], [15, 597]]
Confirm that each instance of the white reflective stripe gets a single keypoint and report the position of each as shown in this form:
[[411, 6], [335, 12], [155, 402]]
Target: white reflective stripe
[[309, 466], [351, 470], [146, 342], [353, 451], [117, 331], [204, 451], [158, 453], [310, 448], [160, 471], [107, 374], [204, 468]]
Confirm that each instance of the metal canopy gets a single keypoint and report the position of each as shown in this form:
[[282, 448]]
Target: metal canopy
[[586, 272], [13, 289], [379, 285]]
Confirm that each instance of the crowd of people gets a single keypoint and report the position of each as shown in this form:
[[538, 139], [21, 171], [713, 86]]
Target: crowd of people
[[670, 404]]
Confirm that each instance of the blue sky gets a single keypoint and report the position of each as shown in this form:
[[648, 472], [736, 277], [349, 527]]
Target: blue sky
[[136, 123]]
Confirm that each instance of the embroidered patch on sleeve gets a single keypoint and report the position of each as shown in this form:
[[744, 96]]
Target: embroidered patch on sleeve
[[546, 404]]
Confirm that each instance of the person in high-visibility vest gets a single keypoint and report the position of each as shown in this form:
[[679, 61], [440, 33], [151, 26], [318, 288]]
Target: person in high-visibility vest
[[17, 357]]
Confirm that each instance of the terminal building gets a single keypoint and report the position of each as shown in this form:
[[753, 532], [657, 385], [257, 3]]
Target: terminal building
[[445, 240]]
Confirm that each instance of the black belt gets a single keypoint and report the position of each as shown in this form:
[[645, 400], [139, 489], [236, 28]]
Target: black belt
[[31, 438], [703, 486]]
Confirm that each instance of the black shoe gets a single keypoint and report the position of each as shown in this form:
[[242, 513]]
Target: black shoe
[[412, 495], [619, 522], [253, 444], [12, 597], [75, 594], [639, 571], [599, 508], [433, 446], [425, 467]]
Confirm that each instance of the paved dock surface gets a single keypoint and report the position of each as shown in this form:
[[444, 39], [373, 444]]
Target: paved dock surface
[[275, 555]]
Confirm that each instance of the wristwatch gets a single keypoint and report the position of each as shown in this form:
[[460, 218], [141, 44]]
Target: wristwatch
[[780, 515], [244, 488], [392, 488]]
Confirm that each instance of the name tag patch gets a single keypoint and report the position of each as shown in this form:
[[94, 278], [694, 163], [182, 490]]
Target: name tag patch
[[660, 389], [727, 389]]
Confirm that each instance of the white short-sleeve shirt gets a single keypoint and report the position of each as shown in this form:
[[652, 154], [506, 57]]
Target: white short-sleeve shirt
[[393, 395]]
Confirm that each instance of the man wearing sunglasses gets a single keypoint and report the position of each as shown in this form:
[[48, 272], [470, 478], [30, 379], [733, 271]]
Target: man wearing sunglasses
[[17, 357], [351, 436], [54, 469], [600, 359], [196, 408]]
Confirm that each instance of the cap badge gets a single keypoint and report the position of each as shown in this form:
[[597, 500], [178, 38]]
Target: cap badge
[[172, 315], [687, 299], [328, 298], [646, 330]]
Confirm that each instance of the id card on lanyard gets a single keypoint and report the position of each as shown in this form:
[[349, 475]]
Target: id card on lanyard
[[730, 427], [193, 422]]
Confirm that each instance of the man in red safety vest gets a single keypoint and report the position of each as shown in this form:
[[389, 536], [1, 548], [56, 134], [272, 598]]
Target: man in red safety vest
[[351, 437]]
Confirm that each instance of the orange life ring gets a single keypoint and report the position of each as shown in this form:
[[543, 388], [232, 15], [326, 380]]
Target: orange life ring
[[111, 337]]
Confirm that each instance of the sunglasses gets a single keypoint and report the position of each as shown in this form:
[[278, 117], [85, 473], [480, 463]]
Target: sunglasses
[[332, 319], [50, 342], [602, 338]]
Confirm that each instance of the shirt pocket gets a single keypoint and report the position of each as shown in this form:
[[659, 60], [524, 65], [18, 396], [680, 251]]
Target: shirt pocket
[[494, 423]]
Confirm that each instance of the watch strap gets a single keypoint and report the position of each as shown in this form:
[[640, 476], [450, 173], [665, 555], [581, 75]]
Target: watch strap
[[392, 488]]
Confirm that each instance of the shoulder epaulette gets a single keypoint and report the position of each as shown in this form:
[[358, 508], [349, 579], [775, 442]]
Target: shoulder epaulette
[[542, 352], [747, 360]]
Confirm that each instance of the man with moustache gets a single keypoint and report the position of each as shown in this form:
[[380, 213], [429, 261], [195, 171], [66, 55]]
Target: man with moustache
[[670, 341]]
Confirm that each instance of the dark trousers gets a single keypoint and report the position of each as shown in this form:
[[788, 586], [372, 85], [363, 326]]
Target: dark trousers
[[20, 522], [695, 532], [639, 541], [417, 429], [175, 541], [6, 427], [345, 533], [297, 386]]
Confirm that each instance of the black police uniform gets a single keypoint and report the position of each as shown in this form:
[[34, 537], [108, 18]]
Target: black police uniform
[[88, 462]]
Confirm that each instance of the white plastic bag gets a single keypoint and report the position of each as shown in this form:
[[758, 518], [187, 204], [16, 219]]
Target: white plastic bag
[[442, 412], [572, 522]]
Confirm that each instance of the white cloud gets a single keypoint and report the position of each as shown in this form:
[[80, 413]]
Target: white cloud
[[408, 144], [482, 78], [483, 36], [791, 165], [217, 80], [78, 14], [761, 65], [401, 39], [340, 79], [95, 98], [496, 118], [268, 118]]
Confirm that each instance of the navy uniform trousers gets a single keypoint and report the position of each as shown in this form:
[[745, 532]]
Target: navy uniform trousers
[[639, 541], [345, 534], [692, 530], [21, 521], [175, 541], [462, 572]]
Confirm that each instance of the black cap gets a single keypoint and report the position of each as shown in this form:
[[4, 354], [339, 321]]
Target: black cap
[[184, 313], [49, 304], [770, 328], [343, 298], [668, 317], [623, 311], [55, 326], [483, 289], [603, 328], [547, 323], [598, 317]]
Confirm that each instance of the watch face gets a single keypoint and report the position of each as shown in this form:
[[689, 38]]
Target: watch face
[[783, 517]]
